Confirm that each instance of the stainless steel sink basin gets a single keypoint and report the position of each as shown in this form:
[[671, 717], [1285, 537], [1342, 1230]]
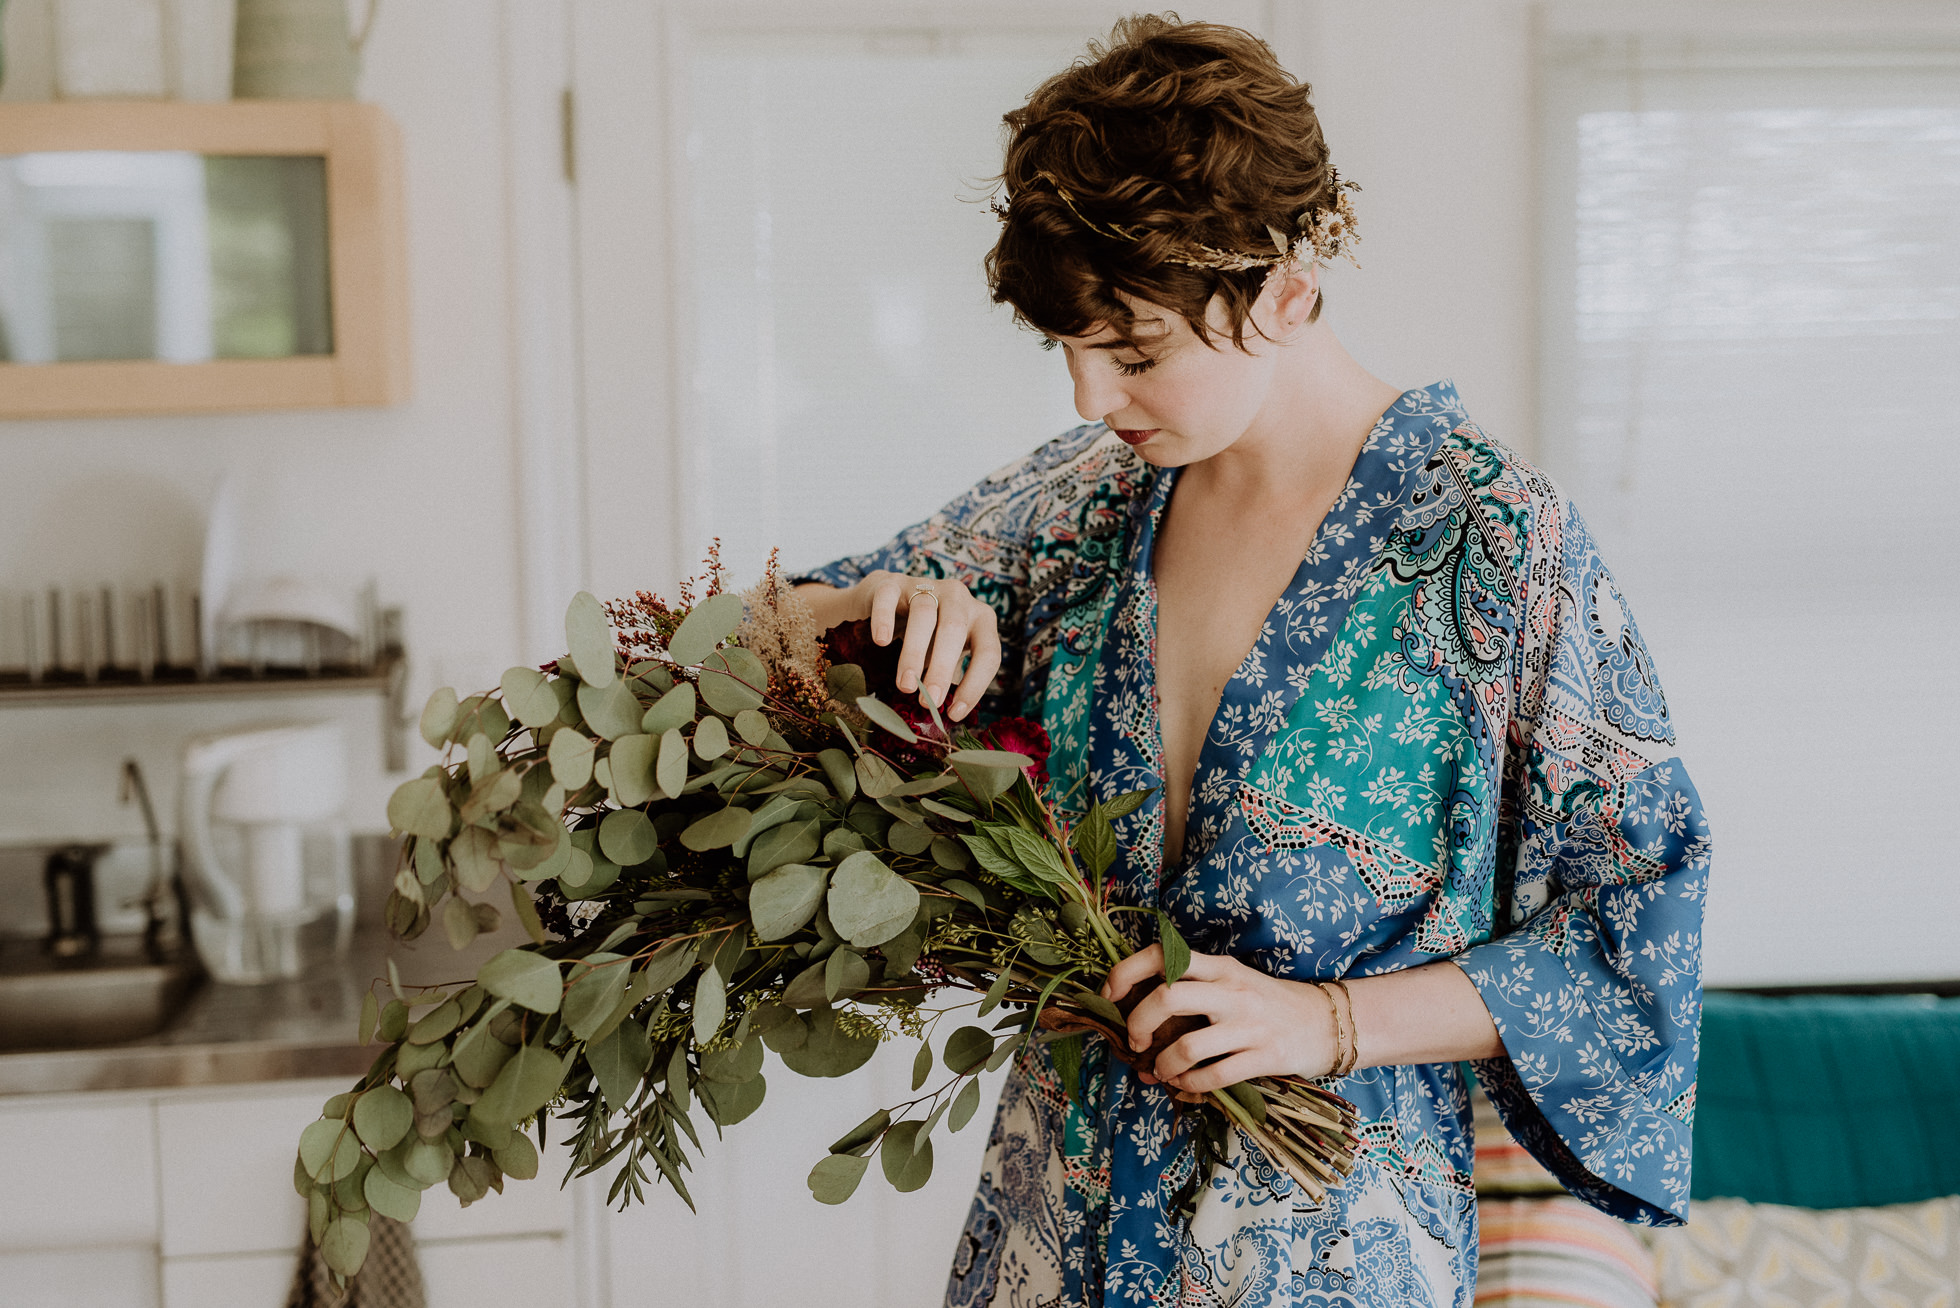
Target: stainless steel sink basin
[[116, 995]]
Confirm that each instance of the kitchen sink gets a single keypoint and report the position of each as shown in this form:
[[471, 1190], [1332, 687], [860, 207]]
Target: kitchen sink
[[117, 994]]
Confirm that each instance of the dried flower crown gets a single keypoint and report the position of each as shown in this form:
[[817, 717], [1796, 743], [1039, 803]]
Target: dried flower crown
[[1326, 233]]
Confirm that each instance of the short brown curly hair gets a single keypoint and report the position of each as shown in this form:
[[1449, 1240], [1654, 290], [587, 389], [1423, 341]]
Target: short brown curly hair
[[1168, 137]]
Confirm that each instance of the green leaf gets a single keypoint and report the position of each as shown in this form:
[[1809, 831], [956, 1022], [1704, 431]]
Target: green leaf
[[922, 1138], [673, 709], [968, 1048], [996, 992], [591, 639], [784, 901], [610, 709], [710, 1004], [710, 739], [1067, 1056], [669, 964], [389, 1197], [991, 859], [345, 1245], [752, 726], [990, 758], [459, 924], [827, 1050], [632, 769], [844, 974], [710, 622], [875, 776], [842, 773], [570, 754], [527, 911], [1032, 852], [987, 783], [525, 978], [733, 681], [908, 839], [907, 1160], [473, 853], [479, 1056], [382, 1117], [598, 984], [964, 1105], [868, 902], [1177, 954], [1101, 1007], [790, 843], [863, 1133], [1125, 804], [420, 808], [517, 1159], [1095, 840], [527, 1083], [370, 1016], [439, 717], [835, 1178], [328, 1150], [922, 1064], [887, 717], [728, 1102], [528, 698], [619, 1061], [426, 1161], [724, 827], [671, 769], [627, 837]]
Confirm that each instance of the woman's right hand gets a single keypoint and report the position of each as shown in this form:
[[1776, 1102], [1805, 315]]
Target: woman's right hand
[[944, 624]]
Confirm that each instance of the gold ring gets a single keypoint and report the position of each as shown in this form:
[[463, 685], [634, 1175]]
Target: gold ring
[[926, 591]]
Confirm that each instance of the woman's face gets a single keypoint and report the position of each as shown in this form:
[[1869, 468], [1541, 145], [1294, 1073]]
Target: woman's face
[[1176, 398]]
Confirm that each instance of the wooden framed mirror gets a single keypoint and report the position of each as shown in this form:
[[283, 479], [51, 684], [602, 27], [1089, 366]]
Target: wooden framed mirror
[[181, 258]]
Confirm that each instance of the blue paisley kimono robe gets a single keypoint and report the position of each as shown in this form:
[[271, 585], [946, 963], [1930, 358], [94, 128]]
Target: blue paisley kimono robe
[[1448, 742]]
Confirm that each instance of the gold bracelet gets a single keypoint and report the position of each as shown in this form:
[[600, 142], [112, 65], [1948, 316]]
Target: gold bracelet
[[1354, 1032], [1343, 1042]]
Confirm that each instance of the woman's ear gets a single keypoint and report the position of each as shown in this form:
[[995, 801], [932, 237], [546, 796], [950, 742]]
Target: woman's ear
[[1296, 297]]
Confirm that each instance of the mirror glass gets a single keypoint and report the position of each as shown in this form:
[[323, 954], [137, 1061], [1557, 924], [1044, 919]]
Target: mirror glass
[[164, 255]]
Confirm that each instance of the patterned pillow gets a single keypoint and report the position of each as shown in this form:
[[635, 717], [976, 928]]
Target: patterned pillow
[[1559, 1253], [1740, 1255]]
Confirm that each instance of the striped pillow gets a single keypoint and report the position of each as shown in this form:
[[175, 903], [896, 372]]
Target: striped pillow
[[1503, 1165], [1559, 1253]]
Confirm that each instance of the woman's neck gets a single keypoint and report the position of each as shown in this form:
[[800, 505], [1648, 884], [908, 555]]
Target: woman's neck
[[1306, 437]]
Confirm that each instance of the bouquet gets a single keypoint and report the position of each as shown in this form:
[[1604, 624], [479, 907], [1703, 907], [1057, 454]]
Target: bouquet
[[721, 841]]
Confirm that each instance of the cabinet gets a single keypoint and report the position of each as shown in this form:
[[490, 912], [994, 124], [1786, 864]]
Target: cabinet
[[184, 1199]]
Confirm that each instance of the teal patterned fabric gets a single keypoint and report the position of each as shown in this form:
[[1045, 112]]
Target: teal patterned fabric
[[1447, 742]]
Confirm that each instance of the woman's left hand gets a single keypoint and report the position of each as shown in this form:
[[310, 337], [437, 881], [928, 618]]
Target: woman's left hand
[[1260, 1025]]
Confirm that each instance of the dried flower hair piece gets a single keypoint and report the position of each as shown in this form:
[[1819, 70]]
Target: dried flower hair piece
[[1325, 233]]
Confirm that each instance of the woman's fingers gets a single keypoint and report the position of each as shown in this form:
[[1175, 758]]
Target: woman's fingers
[[1146, 962], [1242, 1066], [884, 592], [949, 645], [1206, 1042], [980, 669]]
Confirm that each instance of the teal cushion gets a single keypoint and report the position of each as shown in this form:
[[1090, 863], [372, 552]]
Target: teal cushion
[[1828, 1101]]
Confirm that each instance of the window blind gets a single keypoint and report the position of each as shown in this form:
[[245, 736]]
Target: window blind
[[1751, 354]]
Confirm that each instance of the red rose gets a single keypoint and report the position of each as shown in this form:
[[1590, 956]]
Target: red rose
[[1021, 736]]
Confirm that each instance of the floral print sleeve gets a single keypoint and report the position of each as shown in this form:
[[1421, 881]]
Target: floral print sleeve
[[1595, 983]]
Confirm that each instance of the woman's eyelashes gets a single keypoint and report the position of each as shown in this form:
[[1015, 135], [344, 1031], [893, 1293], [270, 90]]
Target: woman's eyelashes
[[1137, 369]]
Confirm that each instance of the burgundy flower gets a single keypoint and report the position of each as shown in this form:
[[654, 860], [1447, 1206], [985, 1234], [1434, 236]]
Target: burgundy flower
[[1021, 736]]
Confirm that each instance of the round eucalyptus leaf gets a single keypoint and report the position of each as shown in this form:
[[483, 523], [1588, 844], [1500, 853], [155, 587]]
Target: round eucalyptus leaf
[[383, 1118], [420, 808], [578, 869], [728, 1102], [836, 1177], [710, 1004], [844, 974], [320, 1146], [710, 739], [720, 828], [733, 681], [527, 698], [887, 717], [570, 755], [906, 1158], [869, 903], [612, 710], [428, 1161], [827, 1050], [439, 717], [968, 1048], [438, 1021], [527, 1083], [908, 839], [473, 853], [964, 1105], [345, 1244], [670, 770], [527, 979], [627, 837], [518, 1159], [389, 1197], [591, 639], [712, 621], [752, 726], [673, 709], [784, 901], [922, 1064]]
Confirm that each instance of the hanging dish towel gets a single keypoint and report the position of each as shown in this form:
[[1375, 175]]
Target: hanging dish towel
[[389, 1279]]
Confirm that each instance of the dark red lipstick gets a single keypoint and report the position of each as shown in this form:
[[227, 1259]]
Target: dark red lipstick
[[1132, 437]]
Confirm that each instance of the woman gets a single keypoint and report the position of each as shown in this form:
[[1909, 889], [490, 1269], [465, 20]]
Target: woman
[[1401, 730]]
